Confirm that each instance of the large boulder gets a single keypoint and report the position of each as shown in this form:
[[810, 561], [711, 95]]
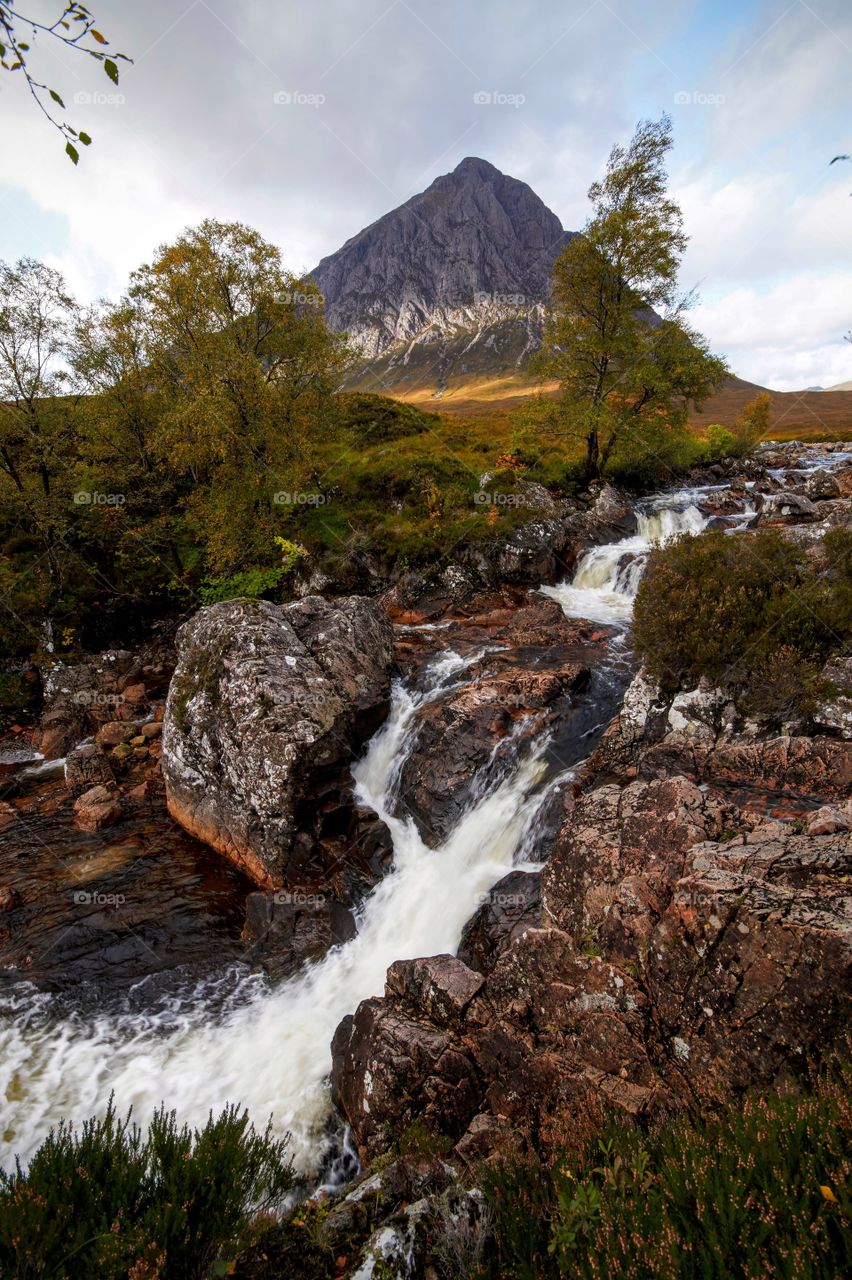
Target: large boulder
[[267, 705]]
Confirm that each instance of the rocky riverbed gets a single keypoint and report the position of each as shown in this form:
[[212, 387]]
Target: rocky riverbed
[[543, 885]]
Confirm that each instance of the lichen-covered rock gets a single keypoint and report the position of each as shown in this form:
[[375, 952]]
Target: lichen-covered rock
[[835, 711], [266, 701], [689, 949]]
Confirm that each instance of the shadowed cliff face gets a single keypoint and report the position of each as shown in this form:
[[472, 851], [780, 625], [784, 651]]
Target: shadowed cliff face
[[472, 252]]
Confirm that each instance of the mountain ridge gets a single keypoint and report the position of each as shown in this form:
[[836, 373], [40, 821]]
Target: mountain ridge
[[468, 258]]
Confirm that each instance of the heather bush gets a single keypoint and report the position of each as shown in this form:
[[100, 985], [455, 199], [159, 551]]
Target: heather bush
[[759, 1190], [748, 613], [111, 1202]]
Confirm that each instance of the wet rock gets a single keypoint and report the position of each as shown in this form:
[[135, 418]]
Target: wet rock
[[507, 911], [96, 808], [694, 949], [112, 733], [288, 929], [821, 485], [267, 702], [614, 514], [620, 851], [785, 507], [390, 1068], [87, 766], [439, 986], [477, 730]]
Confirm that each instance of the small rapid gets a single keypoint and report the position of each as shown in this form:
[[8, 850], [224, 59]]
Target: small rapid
[[607, 577]]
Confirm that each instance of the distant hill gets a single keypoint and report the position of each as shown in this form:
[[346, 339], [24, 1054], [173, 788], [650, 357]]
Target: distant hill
[[840, 386]]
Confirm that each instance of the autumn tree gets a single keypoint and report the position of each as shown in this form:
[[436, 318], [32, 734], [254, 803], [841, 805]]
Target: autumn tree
[[239, 355], [625, 372], [37, 423]]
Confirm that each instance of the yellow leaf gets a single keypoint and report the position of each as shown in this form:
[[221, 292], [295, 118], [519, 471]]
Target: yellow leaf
[[828, 1194]]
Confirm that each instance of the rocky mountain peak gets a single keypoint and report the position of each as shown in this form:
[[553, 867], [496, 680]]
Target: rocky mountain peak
[[476, 247]]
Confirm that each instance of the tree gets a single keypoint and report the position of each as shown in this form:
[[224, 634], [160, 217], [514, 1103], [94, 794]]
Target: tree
[[74, 27], [624, 373], [37, 427], [238, 352]]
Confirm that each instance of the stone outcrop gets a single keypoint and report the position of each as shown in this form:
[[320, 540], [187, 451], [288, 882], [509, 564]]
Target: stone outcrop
[[265, 709], [687, 949], [699, 733]]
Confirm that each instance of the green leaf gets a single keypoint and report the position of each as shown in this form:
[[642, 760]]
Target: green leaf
[[111, 69], [72, 152], [85, 139], [56, 98]]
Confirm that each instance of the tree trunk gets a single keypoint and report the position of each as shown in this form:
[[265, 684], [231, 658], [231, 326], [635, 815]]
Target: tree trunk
[[592, 456]]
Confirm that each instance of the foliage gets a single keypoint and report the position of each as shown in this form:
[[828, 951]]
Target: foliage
[[720, 441], [738, 609], [753, 424], [623, 371], [760, 1190], [113, 1203], [74, 28]]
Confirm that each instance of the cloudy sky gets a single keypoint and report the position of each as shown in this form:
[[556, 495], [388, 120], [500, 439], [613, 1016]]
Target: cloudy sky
[[310, 118]]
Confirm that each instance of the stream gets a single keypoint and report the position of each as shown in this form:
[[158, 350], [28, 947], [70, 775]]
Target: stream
[[198, 1041]]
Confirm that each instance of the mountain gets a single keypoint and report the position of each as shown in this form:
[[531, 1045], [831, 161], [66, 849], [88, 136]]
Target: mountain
[[451, 285], [839, 386]]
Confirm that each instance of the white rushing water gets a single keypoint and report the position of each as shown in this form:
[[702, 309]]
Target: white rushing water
[[268, 1048], [607, 577], [271, 1051]]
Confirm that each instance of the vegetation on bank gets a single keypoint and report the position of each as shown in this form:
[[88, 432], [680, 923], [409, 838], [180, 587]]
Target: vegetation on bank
[[758, 1189], [114, 1203], [188, 441], [756, 613]]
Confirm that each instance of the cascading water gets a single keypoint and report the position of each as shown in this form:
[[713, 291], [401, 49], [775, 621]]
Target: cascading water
[[607, 577], [270, 1049], [235, 1038]]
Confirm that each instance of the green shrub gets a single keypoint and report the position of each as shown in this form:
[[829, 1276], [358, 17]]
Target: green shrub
[[759, 1191], [110, 1203], [721, 442], [722, 607]]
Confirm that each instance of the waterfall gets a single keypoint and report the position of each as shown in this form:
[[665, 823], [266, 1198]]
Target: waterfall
[[269, 1048], [607, 577], [237, 1038]]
